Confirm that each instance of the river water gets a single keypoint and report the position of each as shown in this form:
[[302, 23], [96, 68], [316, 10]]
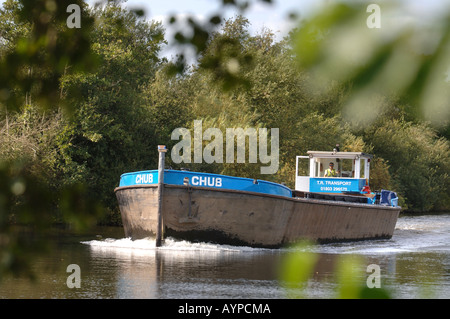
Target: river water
[[414, 264]]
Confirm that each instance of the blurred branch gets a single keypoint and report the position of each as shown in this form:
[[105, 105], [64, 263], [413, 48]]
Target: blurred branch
[[41, 56], [336, 44]]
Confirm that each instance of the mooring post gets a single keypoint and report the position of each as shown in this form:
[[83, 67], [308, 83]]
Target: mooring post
[[162, 153]]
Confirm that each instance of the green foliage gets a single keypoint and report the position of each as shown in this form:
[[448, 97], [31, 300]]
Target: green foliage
[[336, 45], [168, 103], [110, 131], [30, 136], [40, 50], [226, 55], [196, 35], [418, 161]]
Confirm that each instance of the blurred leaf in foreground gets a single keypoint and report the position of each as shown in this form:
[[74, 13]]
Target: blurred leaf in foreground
[[297, 269], [409, 61], [40, 48], [351, 280]]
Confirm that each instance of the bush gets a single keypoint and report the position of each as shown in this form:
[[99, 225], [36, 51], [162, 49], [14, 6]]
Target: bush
[[418, 162]]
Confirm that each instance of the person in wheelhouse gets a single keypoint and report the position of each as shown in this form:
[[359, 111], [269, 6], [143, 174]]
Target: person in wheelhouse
[[330, 171]]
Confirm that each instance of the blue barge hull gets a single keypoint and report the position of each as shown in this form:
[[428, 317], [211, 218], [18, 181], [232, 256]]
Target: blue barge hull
[[216, 181]]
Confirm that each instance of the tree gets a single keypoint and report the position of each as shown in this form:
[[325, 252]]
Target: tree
[[38, 48], [418, 161], [110, 131]]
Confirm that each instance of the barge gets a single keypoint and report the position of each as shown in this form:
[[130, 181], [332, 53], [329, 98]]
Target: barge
[[222, 209]]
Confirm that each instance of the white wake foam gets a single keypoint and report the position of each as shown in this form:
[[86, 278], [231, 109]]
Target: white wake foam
[[168, 244]]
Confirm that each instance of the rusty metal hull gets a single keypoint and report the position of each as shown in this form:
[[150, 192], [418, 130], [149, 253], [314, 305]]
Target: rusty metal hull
[[250, 219]]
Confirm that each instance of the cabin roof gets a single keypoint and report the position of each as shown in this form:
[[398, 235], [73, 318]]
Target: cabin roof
[[351, 155]]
